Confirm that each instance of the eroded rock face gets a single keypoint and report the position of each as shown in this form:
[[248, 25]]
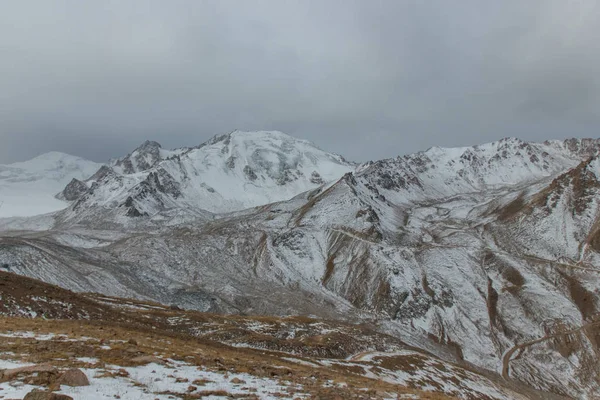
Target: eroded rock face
[[141, 159], [316, 178], [73, 191]]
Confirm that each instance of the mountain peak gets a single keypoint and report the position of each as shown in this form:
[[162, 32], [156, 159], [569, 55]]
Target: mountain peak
[[146, 156], [45, 160], [256, 136], [149, 144]]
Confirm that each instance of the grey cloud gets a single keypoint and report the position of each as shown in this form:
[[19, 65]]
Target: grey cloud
[[365, 79]]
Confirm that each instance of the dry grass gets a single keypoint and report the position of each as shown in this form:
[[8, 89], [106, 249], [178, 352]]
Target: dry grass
[[509, 211], [128, 343]]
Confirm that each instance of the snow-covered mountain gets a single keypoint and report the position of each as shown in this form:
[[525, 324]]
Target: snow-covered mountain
[[29, 188], [442, 172], [486, 256], [230, 172]]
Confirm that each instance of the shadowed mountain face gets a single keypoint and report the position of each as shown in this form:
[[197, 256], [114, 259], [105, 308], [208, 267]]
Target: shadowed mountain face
[[485, 256]]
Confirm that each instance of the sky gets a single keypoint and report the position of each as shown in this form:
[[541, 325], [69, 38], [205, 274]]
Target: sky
[[367, 79]]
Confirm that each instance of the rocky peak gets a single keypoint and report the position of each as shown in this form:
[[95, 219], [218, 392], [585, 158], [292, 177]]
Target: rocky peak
[[73, 191], [104, 171], [149, 145], [580, 185], [146, 156], [584, 147]]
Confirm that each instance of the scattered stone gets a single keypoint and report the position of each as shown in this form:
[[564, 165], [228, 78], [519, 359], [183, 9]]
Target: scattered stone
[[73, 377]]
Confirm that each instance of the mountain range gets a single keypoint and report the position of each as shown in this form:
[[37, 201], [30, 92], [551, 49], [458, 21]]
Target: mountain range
[[484, 256]]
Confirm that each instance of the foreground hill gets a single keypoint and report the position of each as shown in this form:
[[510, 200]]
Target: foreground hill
[[125, 347]]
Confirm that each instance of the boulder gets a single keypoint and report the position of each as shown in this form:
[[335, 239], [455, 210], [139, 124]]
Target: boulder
[[73, 377], [39, 395]]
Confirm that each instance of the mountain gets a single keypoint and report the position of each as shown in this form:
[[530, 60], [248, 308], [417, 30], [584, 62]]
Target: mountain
[[484, 256], [29, 188], [228, 173]]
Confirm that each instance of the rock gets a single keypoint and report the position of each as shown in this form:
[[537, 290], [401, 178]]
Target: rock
[[73, 191], [39, 395], [237, 381], [73, 377], [8, 374]]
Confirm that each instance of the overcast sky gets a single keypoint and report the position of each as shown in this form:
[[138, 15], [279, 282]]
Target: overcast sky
[[367, 79]]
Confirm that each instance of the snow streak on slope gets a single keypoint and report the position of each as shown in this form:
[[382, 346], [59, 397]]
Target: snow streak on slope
[[29, 188]]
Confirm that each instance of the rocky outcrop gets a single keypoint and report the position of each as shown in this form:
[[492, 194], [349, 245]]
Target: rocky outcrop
[[73, 191], [141, 159]]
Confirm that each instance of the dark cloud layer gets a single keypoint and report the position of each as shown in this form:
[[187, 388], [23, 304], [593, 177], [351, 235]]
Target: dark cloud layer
[[368, 79]]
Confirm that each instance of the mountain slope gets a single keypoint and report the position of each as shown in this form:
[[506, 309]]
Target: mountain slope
[[29, 188]]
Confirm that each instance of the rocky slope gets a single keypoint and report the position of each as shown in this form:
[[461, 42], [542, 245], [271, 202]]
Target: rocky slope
[[484, 256]]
